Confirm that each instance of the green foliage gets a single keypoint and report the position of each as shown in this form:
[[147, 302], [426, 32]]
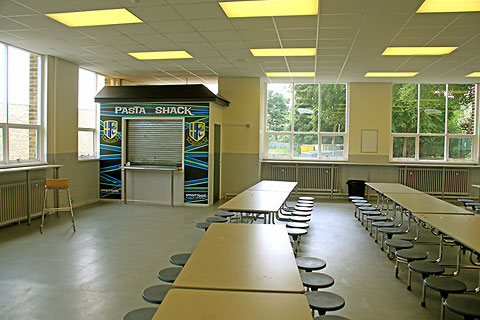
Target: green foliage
[[306, 108], [333, 107], [278, 112], [404, 108]]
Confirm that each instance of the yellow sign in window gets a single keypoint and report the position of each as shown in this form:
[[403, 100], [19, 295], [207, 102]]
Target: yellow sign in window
[[307, 148]]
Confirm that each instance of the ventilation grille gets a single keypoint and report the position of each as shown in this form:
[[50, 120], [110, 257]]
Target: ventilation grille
[[437, 181]]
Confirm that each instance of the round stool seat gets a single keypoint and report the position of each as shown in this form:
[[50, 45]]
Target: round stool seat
[[426, 268], [411, 254], [399, 244], [371, 213], [305, 201], [203, 225], [316, 280], [295, 232], [310, 263], [304, 205], [382, 224], [390, 230], [324, 301], [445, 285], [297, 208], [362, 204], [301, 213], [330, 317], [140, 314], [472, 204], [463, 305], [216, 220], [306, 198], [169, 274], [300, 219], [180, 259], [359, 201], [224, 214], [377, 218], [465, 201], [156, 294], [301, 225], [367, 208], [355, 198]]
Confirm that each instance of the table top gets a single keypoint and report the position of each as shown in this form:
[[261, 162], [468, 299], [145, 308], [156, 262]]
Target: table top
[[424, 203], [462, 228], [256, 201], [234, 305], [269, 185], [391, 187], [245, 257], [476, 186]]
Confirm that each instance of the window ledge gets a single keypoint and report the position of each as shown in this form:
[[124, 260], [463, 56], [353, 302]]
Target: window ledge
[[22, 164], [88, 159]]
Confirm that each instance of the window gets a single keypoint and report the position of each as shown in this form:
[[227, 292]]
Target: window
[[306, 121], [20, 106], [89, 83], [434, 122]]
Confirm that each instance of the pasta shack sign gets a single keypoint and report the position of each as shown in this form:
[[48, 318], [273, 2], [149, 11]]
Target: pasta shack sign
[[163, 110]]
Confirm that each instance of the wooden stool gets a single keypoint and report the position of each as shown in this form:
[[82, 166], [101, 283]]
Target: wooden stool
[[56, 184]]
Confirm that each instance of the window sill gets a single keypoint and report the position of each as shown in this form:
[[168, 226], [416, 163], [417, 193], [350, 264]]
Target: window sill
[[22, 164], [88, 159]]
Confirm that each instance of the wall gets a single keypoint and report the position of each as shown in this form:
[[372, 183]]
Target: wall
[[61, 101], [370, 105], [240, 144]]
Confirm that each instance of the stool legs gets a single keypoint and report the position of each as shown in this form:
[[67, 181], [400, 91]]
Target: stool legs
[[71, 209]]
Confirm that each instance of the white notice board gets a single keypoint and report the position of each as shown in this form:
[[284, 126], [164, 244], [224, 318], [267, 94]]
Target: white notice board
[[369, 141]]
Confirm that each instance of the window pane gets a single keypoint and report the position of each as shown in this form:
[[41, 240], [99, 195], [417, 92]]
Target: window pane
[[460, 148], [461, 108], [2, 84], [305, 145], [87, 89], [432, 148], [22, 144], [404, 147], [332, 147], [279, 145], [85, 144], [404, 108], [279, 110], [22, 86], [306, 107], [333, 107], [432, 108]]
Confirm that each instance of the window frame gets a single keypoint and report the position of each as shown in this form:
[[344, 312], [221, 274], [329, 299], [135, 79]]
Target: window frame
[[291, 133], [39, 127], [95, 130], [446, 150]]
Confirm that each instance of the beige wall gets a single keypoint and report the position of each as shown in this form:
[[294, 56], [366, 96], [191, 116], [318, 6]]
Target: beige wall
[[240, 144], [370, 105]]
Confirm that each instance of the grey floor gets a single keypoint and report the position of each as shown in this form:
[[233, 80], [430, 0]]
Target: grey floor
[[100, 271]]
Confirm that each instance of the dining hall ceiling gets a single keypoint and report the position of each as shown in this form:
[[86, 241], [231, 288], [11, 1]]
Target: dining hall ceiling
[[349, 37]]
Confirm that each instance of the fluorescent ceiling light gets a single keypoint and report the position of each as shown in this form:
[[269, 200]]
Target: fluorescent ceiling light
[[269, 8], [95, 17], [284, 52], [157, 55], [432, 6], [473, 75], [417, 51], [290, 74], [390, 74]]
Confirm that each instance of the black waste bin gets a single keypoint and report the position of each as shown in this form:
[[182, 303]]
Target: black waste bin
[[356, 188]]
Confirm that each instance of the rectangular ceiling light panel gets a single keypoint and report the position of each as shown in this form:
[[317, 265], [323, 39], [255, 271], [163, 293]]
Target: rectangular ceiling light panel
[[158, 55], [436, 6], [473, 75], [269, 8], [390, 74], [290, 74], [284, 52], [95, 17], [417, 51]]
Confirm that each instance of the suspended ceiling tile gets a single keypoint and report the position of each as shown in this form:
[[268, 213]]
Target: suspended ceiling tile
[[143, 3], [229, 44], [342, 7], [154, 38], [212, 24], [93, 4], [340, 20], [431, 19], [252, 23], [335, 52], [83, 41], [172, 26], [131, 48], [135, 28], [262, 44], [303, 34], [7, 24], [299, 43], [156, 13], [11, 8], [422, 32], [200, 11], [185, 37], [409, 42], [48, 6], [220, 36], [100, 31], [334, 32], [334, 43], [304, 22], [263, 34]]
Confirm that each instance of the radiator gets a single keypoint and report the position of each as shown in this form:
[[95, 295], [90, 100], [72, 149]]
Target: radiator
[[309, 178], [439, 181], [13, 201]]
